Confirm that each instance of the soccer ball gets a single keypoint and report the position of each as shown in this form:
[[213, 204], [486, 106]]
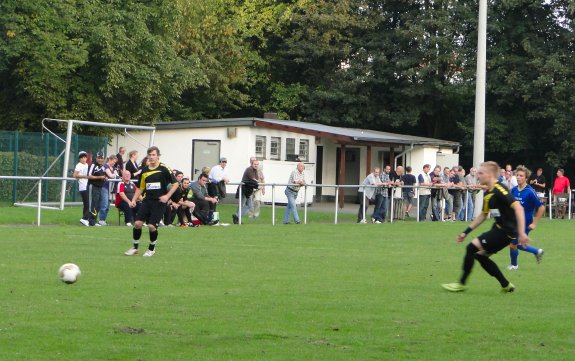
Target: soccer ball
[[69, 273]]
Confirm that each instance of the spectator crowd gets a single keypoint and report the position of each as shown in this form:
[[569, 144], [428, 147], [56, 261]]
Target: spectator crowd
[[438, 194]]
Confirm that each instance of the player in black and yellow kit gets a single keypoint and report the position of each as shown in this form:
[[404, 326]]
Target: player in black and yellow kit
[[157, 183], [509, 224]]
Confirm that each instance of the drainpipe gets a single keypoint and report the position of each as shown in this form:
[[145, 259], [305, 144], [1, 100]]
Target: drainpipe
[[401, 155]]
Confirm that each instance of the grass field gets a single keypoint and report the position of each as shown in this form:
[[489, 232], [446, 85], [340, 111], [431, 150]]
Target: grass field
[[260, 292]]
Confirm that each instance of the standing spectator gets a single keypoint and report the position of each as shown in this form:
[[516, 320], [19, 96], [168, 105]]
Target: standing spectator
[[96, 179], [456, 192], [124, 196], [381, 196], [157, 184], [132, 164], [254, 211], [472, 184], [537, 182], [424, 180], [436, 194], [561, 189], [367, 194], [204, 203], [409, 181], [219, 177], [503, 177], [111, 173], [387, 177], [396, 194], [510, 177], [250, 184], [445, 179], [119, 165], [296, 180], [81, 174], [526, 195]]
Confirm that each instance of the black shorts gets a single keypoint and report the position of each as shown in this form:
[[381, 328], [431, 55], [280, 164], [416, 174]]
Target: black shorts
[[495, 240], [151, 211]]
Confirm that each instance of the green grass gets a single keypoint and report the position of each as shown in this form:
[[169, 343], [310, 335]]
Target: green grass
[[260, 292]]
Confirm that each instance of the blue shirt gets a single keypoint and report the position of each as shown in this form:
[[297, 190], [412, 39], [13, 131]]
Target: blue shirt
[[529, 200]]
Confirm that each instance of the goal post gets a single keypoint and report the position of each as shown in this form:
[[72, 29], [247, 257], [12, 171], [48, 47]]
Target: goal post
[[70, 126]]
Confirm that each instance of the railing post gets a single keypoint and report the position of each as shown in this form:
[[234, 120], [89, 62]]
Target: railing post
[[363, 204], [391, 202], [466, 203], [336, 201], [39, 211], [305, 204], [569, 217], [273, 204], [550, 205], [240, 204], [418, 204]]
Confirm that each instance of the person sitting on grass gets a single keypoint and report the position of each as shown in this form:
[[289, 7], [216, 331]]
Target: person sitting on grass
[[204, 204], [186, 206]]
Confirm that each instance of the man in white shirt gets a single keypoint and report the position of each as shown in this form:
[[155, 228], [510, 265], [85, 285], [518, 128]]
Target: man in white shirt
[[424, 180], [81, 174], [218, 175]]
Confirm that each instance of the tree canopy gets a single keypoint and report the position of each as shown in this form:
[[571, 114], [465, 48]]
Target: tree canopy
[[401, 66]]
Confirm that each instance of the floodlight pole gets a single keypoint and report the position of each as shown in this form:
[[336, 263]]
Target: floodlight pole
[[479, 127]]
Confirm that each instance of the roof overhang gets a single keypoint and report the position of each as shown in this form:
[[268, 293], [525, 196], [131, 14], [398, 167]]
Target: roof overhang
[[348, 136]]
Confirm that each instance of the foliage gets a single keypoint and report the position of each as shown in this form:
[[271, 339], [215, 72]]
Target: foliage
[[402, 66]]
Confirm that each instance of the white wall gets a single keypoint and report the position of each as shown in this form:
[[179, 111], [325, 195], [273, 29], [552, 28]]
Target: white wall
[[176, 146], [429, 155]]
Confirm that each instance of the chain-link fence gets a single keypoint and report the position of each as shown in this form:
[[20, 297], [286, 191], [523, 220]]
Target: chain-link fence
[[40, 154]]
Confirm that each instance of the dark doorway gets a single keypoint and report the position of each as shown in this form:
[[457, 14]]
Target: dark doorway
[[319, 172], [351, 171]]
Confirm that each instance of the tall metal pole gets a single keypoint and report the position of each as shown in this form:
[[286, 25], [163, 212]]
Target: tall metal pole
[[479, 128]]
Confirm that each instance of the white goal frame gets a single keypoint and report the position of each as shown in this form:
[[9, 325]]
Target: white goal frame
[[68, 142]]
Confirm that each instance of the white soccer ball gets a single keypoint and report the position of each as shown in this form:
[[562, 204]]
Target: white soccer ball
[[69, 273]]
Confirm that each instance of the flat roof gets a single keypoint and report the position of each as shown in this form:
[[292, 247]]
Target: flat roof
[[341, 134]]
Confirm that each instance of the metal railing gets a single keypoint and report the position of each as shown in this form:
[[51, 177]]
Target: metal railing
[[392, 189]]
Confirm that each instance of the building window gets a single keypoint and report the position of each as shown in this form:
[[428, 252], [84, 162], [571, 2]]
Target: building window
[[290, 149], [275, 148], [260, 147], [304, 150]]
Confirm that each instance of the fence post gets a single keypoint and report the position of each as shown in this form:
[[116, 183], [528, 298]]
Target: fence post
[[569, 217], [418, 205], [305, 204], [273, 204], [15, 171], [550, 205], [363, 204], [391, 207], [336, 202], [39, 210], [240, 204]]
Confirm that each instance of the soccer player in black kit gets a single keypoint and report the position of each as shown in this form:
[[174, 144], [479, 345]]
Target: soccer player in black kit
[[509, 224], [157, 183]]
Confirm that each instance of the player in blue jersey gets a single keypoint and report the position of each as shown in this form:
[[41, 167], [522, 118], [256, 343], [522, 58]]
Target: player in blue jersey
[[532, 205]]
